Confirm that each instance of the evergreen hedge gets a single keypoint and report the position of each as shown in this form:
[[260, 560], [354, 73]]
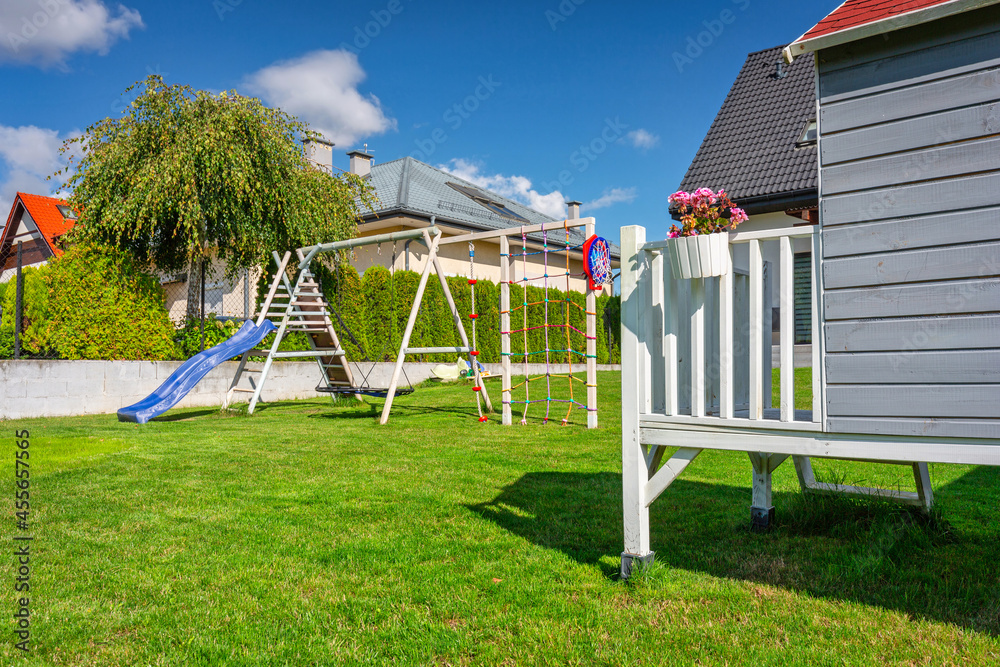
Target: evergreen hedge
[[103, 305], [381, 300]]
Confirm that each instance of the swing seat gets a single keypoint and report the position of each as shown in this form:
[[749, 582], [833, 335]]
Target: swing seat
[[374, 392]]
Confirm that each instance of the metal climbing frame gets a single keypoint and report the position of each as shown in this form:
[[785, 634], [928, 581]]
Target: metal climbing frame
[[507, 269], [302, 307]]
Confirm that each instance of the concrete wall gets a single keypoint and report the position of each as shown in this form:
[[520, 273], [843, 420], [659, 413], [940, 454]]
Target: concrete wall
[[43, 388]]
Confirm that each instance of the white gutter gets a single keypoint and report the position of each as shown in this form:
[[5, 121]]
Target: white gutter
[[906, 20]]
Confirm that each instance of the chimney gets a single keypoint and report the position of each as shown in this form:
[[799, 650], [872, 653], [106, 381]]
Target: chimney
[[319, 151], [361, 163], [574, 209]]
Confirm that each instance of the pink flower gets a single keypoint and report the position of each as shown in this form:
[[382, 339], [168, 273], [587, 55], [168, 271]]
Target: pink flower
[[737, 215], [703, 195], [674, 232], [680, 197]]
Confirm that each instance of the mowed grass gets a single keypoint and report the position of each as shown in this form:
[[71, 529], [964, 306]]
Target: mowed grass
[[306, 534]]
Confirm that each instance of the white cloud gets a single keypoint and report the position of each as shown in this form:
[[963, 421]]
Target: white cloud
[[517, 188], [46, 32], [28, 154], [611, 197], [643, 139], [321, 89]]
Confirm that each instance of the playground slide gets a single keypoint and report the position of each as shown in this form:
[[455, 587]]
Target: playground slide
[[192, 371]]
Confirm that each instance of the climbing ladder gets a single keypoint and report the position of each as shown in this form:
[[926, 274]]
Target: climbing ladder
[[300, 307]]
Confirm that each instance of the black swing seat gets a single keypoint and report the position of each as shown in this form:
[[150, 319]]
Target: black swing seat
[[374, 392]]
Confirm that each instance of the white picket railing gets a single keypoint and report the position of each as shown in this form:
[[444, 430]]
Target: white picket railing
[[701, 349]]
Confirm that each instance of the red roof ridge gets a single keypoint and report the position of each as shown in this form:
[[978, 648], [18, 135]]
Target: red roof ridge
[[857, 19]]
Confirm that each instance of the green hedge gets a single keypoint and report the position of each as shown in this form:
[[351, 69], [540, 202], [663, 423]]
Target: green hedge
[[382, 300], [102, 305], [345, 294]]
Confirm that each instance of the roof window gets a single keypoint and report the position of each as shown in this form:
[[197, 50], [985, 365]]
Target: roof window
[[67, 212], [494, 206], [808, 136]]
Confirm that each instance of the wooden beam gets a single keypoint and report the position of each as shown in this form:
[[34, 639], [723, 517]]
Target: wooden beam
[[517, 231], [666, 475]]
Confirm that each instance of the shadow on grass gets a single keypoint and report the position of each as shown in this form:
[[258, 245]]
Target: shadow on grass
[[172, 416], [861, 551]]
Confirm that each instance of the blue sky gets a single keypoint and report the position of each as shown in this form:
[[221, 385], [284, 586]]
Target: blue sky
[[542, 101]]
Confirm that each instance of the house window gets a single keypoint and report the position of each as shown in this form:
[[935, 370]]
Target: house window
[[803, 298], [808, 136], [67, 212], [482, 200]]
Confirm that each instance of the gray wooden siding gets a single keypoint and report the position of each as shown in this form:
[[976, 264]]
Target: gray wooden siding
[[913, 266], [910, 215], [909, 334], [921, 232]]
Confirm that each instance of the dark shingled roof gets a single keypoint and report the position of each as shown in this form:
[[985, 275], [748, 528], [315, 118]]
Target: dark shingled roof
[[750, 150]]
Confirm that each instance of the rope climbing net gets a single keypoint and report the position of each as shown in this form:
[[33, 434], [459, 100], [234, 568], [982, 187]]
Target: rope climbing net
[[542, 321], [560, 336], [477, 386]]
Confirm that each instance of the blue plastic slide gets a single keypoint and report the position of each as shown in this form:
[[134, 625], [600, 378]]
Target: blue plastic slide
[[192, 371]]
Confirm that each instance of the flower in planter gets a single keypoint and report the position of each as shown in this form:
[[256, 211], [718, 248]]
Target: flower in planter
[[704, 212]]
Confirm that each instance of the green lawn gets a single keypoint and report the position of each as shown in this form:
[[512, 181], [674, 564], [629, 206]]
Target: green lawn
[[308, 535]]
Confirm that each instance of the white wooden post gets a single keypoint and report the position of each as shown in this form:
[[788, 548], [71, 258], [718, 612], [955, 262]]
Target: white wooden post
[[786, 306], [817, 333], [505, 391], [756, 287], [635, 473], [698, 347], [671, 371], [418, 297], [726, 389], [591, 303], [655, 341], [762, 508]]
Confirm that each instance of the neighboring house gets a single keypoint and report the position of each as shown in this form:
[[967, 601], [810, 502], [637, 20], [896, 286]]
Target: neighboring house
[[413, 194], [36, 223], [761, 149]]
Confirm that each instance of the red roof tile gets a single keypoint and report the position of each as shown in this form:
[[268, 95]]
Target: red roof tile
[[49, 219], [854, 13]]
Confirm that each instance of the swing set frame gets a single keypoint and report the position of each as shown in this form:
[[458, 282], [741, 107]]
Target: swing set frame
[[306, 310]]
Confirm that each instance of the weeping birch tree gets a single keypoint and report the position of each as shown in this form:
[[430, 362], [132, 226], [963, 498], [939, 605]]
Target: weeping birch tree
[[185, 175]]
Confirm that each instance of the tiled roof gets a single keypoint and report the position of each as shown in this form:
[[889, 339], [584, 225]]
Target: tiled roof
[[750, 149], [47, 217], [411, 186], [854, 13]]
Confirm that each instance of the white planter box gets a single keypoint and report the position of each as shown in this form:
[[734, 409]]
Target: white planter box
[[700, 256]]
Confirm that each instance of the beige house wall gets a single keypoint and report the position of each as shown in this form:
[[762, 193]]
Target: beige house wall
[[227, 297], [454, 257], [237, 296]]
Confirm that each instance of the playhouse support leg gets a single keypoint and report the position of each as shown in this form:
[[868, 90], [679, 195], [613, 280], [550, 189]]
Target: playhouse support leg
[[762, 507], [635, 474], [922, 478]]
